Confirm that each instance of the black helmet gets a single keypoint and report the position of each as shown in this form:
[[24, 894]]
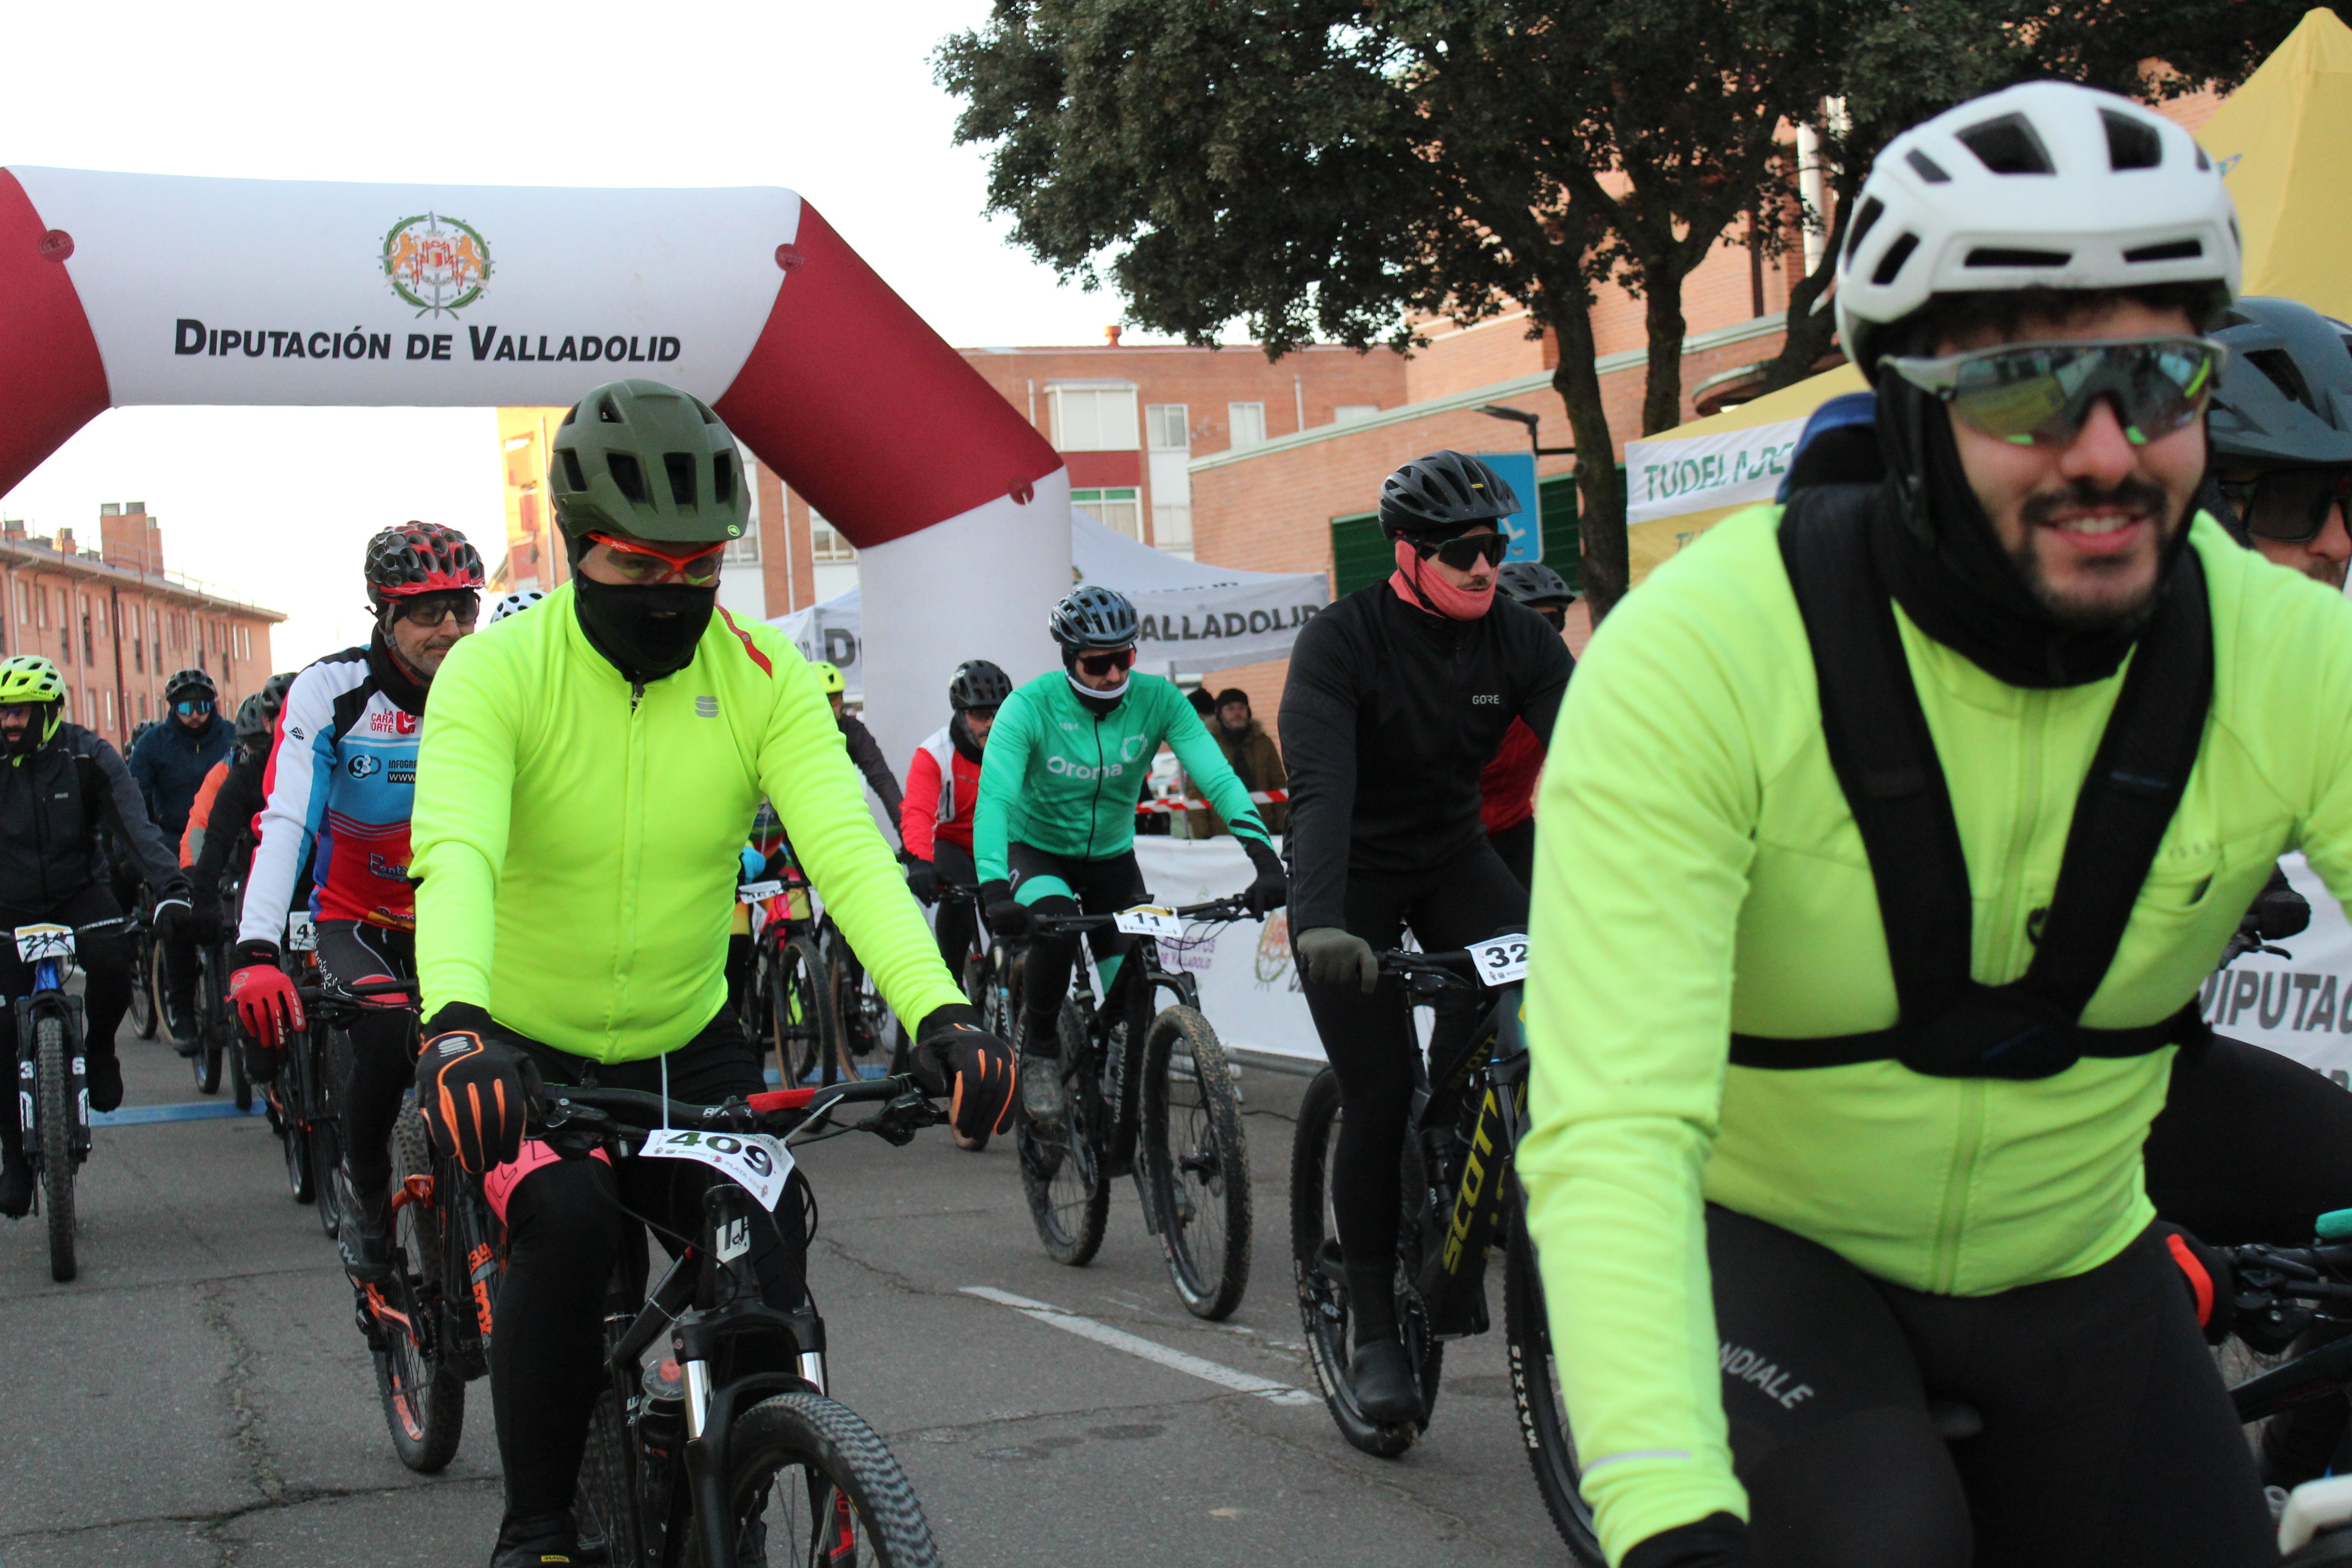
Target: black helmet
[[255, 717], [1532, 583], [274, 689], [190, 680], [1094, 618], [2285, 393], [978, 684], [1444, 492]]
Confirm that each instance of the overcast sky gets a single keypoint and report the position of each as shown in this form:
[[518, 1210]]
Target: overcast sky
[[837, 101]]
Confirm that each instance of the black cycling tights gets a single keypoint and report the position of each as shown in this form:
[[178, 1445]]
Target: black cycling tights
[[565, 1232], [2107, 1439], [1057, 884], [105, 964], [1371, 1043], [355, 953]]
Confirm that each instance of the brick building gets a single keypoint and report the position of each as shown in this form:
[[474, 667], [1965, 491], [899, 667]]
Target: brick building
[[119, 624]]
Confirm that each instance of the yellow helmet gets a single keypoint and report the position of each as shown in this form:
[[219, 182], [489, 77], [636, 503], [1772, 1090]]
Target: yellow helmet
[[29, 677], [827, 676]]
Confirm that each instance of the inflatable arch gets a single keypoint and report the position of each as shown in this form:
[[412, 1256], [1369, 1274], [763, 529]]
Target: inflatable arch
[[119, 289]]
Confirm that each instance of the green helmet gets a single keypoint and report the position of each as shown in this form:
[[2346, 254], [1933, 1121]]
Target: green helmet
[[642, 459], [29, 677]]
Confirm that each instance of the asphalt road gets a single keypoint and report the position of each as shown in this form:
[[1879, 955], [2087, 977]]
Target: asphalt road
[[200, 1397]]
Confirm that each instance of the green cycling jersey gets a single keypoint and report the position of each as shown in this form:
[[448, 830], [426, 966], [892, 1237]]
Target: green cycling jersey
[[1699, 873], [1060, 777], [578, 841]]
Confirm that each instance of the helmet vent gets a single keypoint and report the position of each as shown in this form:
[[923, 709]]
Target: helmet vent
[[1929, 169], [2006, 145], [2132, 143], [1993, 257], [722, 479], [627, 475], [2203, 163], [2284, 374], [2172, 251], [681, 476], [1892, 262], [1871, 211], [572, 481], [609, 412]]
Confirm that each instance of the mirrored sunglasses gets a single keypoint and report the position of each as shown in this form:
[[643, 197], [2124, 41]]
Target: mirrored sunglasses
[[1463, 551], [2039, 394], [194, 705], [1102, 664]]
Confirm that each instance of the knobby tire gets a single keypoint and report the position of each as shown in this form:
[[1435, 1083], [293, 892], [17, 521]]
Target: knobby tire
[[795, 1458], [1063, 1169], [423, 1398], [52, 1053], [1197, 1163], [1535, 1395]]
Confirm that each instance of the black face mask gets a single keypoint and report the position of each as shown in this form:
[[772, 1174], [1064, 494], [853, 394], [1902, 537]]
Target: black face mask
[[644, 633]]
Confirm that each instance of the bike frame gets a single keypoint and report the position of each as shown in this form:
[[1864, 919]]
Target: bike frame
[[1118, 1082], [2288, 1275], [48, 998]]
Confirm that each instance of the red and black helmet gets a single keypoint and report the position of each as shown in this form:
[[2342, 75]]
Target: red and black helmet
[[421, 558]]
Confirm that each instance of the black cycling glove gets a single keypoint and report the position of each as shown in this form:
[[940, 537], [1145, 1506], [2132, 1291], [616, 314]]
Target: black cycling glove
[[1008, 919], [2211, 1280], [475, 1095], [923, 880], [1272, 889], [982, 1099], [1718, 1541]]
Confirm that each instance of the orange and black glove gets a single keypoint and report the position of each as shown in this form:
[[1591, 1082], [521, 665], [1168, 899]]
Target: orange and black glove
[[475, 1095], [980, 1100], [2211, 1280]]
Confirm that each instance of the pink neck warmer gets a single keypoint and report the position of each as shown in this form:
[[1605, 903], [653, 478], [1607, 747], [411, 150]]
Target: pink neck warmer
[[1454, 604]]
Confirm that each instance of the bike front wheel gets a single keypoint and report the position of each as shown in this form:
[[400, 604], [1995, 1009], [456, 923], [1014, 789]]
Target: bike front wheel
[[205, 1063], [424, 1397], [811, 1483], [50, 1053], [1063, 1166], [1196, 1162], [800, 1023], [330, 1067], [1535, 1392], [600, 1510], [1319, 1267], [145, 1015]]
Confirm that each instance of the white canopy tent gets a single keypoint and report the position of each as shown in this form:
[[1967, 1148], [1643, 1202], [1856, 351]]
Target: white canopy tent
[[1195, 618]]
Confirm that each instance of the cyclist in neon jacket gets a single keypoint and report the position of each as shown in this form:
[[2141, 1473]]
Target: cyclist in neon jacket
[[580, 806], [1068, 759], [1762, 1273]]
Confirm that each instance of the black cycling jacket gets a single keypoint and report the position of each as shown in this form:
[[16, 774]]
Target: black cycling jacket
[[1389, 717], [48, 826], [867, 755]]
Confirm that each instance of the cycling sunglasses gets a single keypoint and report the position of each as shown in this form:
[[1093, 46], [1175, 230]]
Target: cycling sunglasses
[[464, 605], [1102, 664], [643, 563], [194, 706], [2039, 394], [2290, 506], [1463, 551]]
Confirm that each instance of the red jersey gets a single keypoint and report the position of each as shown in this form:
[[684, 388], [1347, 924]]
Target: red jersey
[[943, 793]]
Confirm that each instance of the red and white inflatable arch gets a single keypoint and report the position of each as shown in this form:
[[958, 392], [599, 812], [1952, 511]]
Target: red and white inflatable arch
[[119, 289]]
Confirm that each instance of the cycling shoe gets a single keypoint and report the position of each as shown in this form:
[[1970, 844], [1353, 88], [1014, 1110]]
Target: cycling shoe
[[103, 1077], [543, 1539], [15, 1188], [365, 1234], [1041, 1088], [1382, 1375]]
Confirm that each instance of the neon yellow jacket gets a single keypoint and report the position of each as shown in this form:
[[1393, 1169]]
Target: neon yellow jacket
[[1697, 872], [579, 849]]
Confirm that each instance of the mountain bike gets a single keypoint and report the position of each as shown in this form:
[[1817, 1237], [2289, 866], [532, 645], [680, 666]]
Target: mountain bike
[[1172, 1120], [692, 1457], [1459, 1201], [789, 1005], [214, 1018], [146, 1010], [428, 1326], [305, 1101], [864, 1024], [52, 1088]]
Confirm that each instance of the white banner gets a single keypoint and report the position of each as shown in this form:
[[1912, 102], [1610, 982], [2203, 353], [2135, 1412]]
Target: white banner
[[2299, 1006], [1249, 989], [432, 295], [1667, 479]]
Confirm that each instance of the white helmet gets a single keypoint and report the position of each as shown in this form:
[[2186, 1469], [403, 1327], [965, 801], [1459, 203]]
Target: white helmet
[[2044, 185], [515, 604]]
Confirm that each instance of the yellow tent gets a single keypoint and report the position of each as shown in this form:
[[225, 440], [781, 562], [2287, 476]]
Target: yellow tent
[[2285, 139]]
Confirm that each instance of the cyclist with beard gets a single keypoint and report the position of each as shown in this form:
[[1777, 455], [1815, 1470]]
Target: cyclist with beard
[[60, 783], [1934, 800], [1398, 696], [1068, 759], [582, 801], [339, 783]]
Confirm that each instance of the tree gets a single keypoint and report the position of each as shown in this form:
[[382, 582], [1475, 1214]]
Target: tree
[[1901, 66]]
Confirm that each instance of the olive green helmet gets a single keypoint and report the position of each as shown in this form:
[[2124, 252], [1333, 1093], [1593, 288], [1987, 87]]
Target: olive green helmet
[[29, 677], [642, 459]]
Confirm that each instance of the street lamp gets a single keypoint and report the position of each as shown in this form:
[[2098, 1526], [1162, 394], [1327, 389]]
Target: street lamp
[[1521, 416]]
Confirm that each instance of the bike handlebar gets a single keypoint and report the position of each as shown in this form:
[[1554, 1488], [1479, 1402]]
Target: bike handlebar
[[630, 1112], [1233, 907], [1451, 969], [333, 991]]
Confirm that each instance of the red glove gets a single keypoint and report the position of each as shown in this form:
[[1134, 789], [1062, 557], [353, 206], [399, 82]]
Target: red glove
[[266, 1003]]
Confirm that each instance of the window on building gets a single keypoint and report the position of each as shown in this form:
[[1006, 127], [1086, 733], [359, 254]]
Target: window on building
[[24, 611], [1120, 509], [1093, 418], [143, 708], [68, 705], [1166, 427], [826, 543], [1360, 553], [744, 551], [1350, 413], [110, 711], [1248, 423], [1171, 528]]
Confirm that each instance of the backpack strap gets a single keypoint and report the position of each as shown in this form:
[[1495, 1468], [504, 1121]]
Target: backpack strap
[[1885, 761]]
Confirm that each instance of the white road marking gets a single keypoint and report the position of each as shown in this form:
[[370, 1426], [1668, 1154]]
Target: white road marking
[[1136, 1345]]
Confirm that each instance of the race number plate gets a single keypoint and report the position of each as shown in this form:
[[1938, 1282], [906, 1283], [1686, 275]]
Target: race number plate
[[753, 892], [1501, 961], [301, 934], [1148, 919], [37, 943], [752, 1161]]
